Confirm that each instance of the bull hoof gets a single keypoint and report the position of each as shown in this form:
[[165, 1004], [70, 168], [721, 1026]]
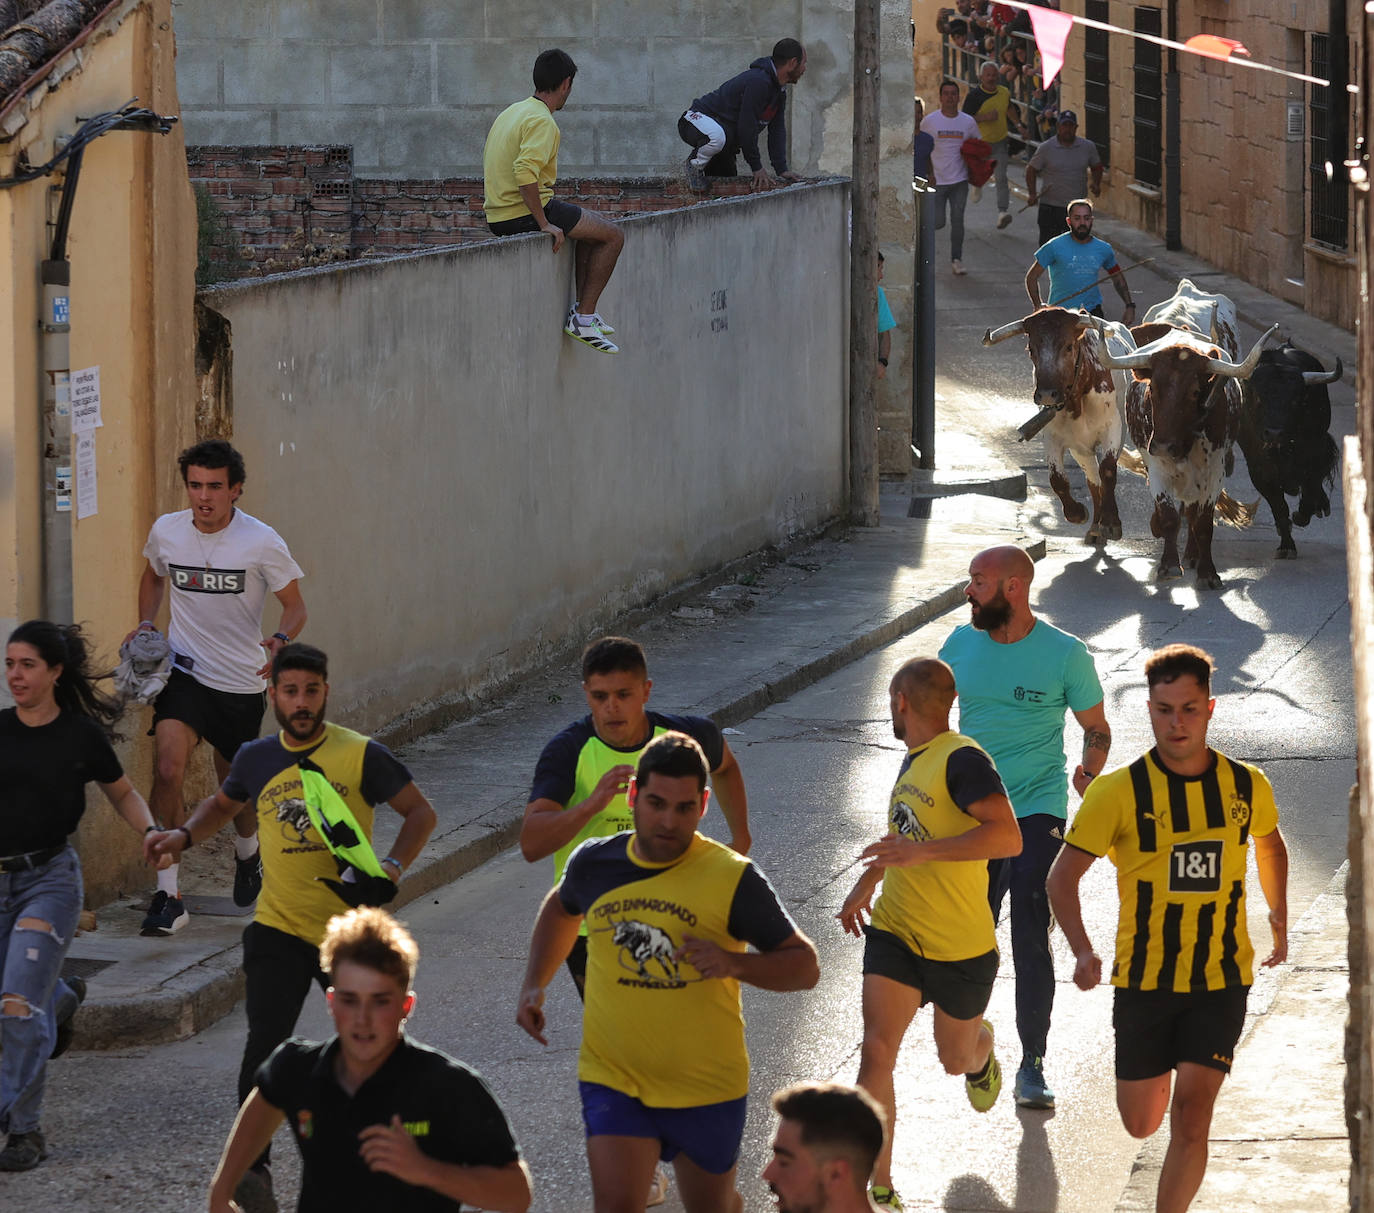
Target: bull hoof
[[1094, 537], [1075, 513], [1209, 583], [1168, 574], [1286, 554], [1111, 530]]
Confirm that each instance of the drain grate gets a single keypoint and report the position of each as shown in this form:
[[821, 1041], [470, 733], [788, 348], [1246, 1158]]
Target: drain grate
[[77, 966]]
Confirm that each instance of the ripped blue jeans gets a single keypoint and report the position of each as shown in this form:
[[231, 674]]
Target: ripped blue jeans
[[30, 967]]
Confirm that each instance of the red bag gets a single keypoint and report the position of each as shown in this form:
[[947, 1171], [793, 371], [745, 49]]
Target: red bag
[[977, 154]]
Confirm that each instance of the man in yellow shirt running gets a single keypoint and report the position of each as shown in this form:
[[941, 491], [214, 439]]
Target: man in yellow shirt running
[[931, 936], [519, 168]]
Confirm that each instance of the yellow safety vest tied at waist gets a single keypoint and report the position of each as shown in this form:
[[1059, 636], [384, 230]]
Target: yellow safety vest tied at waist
[[335, 824]]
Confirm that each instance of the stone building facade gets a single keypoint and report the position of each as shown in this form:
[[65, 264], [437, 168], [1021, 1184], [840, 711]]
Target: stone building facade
[[1254, 200]]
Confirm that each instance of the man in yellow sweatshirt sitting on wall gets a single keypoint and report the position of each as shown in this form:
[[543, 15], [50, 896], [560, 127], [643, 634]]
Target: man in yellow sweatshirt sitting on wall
[[519, 167]]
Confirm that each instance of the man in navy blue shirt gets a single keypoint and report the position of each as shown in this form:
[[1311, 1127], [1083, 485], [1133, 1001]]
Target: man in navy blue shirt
[[730, 119], [1076, 260]]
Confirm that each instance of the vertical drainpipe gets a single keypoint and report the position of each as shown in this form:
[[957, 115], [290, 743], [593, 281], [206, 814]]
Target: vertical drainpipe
[[58, 483], [1173, 186], [56, 435]]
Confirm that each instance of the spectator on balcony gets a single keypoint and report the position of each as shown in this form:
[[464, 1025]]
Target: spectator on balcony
[[519, 168]]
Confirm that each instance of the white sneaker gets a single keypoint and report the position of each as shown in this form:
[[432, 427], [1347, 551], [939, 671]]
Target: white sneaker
[[1003, 220], [958, 267], [589, 334], [975, 193], [596, 316]]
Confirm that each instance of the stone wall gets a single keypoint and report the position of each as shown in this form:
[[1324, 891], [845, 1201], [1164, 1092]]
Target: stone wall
[[1244, 203]]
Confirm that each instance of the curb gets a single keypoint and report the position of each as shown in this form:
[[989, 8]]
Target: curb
[[204, 993]]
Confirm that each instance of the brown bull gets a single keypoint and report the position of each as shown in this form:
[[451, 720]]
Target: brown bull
[[1183, 410], [1086, 398]]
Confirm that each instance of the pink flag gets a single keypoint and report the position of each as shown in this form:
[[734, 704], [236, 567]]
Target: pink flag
[[1051, 28]]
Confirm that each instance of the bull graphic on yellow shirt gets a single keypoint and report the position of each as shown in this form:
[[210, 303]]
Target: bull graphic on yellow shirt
[[641, 944], [907, 824], [295, 817]]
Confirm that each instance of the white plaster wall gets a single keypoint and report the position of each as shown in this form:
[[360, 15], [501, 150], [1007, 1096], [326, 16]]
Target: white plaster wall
[[467, 489]]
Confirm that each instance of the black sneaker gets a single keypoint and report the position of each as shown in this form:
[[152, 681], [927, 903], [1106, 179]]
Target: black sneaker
[[23, 1151], [248, 879], [66, 1026], [166, 915], [254, 1191]]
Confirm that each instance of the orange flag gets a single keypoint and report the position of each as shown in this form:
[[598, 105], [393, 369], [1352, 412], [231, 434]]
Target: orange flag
[[1214, 47]]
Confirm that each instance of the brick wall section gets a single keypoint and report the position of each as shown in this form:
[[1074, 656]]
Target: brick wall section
[[297, 206]]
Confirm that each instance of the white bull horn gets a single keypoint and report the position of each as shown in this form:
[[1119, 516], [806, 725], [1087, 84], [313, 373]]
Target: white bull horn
[[1137, 360], [1313, 378], [993, 336], [1241, 370]]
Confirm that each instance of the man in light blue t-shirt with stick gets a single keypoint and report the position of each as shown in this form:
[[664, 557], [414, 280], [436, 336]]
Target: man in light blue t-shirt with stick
[[1016, 675], [1076, 261]]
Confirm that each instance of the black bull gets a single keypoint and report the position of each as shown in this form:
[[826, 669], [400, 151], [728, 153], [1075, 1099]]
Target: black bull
[[1285, 436]]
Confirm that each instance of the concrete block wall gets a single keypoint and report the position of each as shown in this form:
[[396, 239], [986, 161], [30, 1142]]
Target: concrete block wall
[[1244, 181], [413, 85], [470, 491]]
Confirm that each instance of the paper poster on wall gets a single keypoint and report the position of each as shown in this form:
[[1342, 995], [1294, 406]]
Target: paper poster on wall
[[85, 394], [85, 474], [63, 486]]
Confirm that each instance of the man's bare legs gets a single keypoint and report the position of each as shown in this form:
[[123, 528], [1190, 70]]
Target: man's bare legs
[[597, 250], [705, 1192], [622, 1169], [173, 741], [1142, 1104], [888, 1009]]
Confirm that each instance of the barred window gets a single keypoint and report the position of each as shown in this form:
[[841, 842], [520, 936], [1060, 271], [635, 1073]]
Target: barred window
[[1097, 86], [1328, 197], [1149, 130]]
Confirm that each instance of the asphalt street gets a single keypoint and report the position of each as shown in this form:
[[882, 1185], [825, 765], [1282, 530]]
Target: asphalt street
[[819, 767]]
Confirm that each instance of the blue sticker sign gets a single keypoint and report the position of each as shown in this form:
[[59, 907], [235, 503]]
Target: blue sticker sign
[[61, 310]]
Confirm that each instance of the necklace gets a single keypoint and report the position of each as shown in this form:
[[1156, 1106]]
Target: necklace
[[214, 547]]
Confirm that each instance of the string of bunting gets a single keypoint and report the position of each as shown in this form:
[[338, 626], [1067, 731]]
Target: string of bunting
[[1051, 28]]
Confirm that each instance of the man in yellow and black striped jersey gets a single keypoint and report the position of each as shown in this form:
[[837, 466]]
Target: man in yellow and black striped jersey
[[1176, 823]]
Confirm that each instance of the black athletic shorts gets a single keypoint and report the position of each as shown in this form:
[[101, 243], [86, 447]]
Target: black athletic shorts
[[226, 719], [560, 214], [960, 988], [1157, 1029]]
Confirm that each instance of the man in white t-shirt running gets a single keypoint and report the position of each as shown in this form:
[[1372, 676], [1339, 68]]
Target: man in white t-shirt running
[[949, 127], [221, 564]]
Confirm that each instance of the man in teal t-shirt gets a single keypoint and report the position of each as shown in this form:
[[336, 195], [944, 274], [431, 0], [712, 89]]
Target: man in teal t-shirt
[[1016, 675], [1076, 260], [886, 323]]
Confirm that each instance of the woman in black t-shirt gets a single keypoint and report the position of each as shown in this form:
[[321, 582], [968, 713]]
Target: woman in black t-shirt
[[54, 741]]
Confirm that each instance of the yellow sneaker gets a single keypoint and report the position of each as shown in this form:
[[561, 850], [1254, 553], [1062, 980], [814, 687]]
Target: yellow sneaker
[[983, 1092], [886, 1198]]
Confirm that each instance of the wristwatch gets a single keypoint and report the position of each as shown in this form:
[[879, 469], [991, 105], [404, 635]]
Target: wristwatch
[[282, 636]]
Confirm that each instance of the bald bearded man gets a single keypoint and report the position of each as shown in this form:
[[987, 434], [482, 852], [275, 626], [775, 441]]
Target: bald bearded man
[[1017, 675]]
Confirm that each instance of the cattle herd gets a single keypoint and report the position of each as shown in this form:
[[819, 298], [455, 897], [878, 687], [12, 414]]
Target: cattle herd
[[1188, 399]]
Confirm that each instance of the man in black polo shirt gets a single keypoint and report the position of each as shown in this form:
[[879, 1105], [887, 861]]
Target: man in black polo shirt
[[383, 1123]]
